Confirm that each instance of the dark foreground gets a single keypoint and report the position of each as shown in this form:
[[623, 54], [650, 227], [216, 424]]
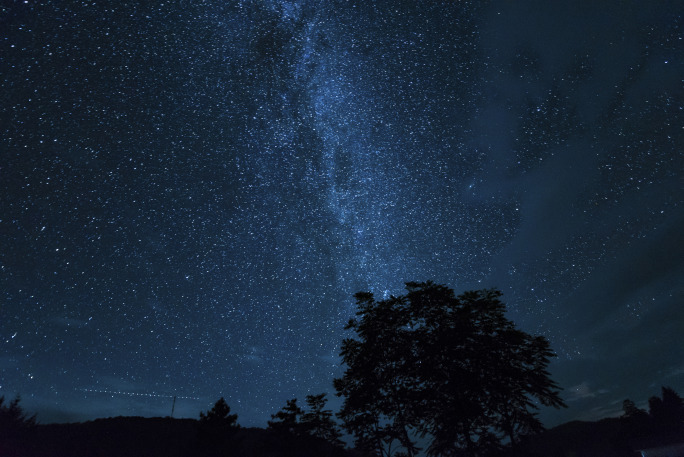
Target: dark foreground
[[152, 437], [612, 437]]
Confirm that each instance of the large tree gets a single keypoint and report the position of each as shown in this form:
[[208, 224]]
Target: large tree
[[452, 369]]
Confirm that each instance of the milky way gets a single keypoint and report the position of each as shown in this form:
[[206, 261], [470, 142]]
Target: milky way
[[192, 192]]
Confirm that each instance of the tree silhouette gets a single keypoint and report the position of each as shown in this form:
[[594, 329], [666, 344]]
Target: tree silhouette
[[316, 421], [631, 411], [219, 416], [12, 416], [16, 427], [673, 406], [667, 413], [449, 368], [13, 420], [288, 419], [319, 422], [215, 428]]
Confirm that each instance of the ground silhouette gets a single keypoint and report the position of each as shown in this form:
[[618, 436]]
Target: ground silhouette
[[158, 437]]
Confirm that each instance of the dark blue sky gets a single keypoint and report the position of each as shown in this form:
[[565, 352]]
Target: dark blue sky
[[191, 192]]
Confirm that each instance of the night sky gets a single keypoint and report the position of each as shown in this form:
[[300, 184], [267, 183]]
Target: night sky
[[192, 191]]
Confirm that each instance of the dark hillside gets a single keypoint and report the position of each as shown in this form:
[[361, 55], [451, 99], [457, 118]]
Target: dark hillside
[[612, 437], [588, 439], [152, 437]]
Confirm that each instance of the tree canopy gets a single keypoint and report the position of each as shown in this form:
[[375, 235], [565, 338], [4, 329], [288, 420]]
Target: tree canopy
[[315, 421], [288, 419], [215, 428], [319, 421], [219, 416], [452, 369], [13, 418], [667, 410]]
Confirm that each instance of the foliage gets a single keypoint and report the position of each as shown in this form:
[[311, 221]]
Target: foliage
[[631, 411], [667, 412], [664, 421], [453, 369], [16, 428], [219, 416], [13, 419], [288, 419], [319, 422], [316, 421], [216, 427]]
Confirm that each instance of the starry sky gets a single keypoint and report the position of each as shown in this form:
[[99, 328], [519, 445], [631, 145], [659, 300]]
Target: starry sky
[[192, 191]]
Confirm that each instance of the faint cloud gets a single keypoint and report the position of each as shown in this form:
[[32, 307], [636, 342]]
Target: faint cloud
[[582, 391], [676, 372], [614, 409], [331, 359]]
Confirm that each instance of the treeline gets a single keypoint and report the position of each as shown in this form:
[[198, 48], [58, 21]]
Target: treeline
[[663, 422], [290, 427], [429, 372], [659, 424], [636, 429], [216, 434]]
